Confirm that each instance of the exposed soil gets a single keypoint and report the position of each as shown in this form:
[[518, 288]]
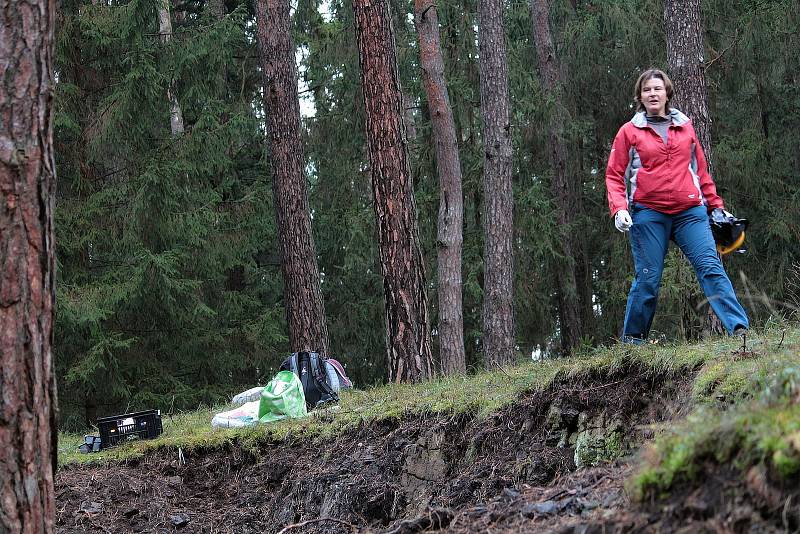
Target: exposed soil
[[513, 472]]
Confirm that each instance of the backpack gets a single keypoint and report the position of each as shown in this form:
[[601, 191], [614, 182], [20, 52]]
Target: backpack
[[338, 375], [312, 371]]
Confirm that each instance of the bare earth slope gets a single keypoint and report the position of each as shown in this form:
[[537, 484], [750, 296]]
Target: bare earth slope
[[514, 471]]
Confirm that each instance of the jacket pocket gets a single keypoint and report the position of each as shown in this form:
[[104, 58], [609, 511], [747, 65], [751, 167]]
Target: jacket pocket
[[686, 196], [650, 187]]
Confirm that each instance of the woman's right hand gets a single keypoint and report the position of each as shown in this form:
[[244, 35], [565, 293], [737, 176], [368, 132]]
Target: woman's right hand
[[623, 221]]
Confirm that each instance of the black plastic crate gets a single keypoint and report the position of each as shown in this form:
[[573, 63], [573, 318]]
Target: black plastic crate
[[129, 427]]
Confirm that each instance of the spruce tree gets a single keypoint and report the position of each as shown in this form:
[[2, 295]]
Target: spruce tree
[[169, 294]]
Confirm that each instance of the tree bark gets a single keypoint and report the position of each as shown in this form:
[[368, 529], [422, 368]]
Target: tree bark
[[686, 60], [408, 340], [451, 203], [566, 189], [27, 267], [305, 311], [165, 33], [498, 293]]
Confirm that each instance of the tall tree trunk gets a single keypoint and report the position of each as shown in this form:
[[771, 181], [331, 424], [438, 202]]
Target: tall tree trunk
[[408, 339], [27, 267], [165, 33], [498, 287], [565, 191], [305, 312], [451, 203], [685, 57]]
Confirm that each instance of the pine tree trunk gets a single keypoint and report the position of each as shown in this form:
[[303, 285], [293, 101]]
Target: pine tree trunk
[[451, 203], [305, 312], [27, 267], [685, 57], [407, 331], [565, 191], [165, 32], [498, 287]]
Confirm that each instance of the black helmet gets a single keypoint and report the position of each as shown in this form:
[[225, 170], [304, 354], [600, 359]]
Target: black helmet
[[728, 231]]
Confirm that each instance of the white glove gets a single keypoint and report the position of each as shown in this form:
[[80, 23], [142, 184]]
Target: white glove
[[622, 220]]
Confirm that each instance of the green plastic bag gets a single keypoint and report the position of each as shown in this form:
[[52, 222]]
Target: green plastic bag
[[283, 397]]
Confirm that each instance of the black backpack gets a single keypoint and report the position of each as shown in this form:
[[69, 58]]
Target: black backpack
[[310, 368]]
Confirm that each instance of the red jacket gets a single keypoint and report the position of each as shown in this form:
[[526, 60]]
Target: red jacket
[[669, 178]]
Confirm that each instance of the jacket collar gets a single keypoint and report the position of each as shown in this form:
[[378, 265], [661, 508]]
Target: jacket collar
[[678, 119]]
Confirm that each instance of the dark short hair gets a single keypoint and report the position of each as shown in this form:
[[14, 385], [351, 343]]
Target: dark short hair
[[649, 74]]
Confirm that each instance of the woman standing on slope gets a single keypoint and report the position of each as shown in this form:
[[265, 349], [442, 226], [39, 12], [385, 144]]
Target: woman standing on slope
[[659, 190]]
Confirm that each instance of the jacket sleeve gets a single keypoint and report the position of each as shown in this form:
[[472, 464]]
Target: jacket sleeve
[[615, 172], [713, 200]]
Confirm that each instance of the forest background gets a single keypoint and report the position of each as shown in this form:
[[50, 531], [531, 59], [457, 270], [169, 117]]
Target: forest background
[[169, 288]]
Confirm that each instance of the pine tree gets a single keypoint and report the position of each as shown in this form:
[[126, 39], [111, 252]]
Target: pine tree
[[451, 207], [407, 332], [685, 57], [305, 312], [27, 263], [339, 189], [498, 291]]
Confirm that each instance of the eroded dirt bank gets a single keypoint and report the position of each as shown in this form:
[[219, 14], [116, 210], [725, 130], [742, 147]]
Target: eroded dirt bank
[[539, 466]]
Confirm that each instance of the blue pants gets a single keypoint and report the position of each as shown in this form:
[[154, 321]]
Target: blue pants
[[650, 236]]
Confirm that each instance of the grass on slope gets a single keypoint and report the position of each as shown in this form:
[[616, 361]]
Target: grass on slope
[[482, 394], [748, 413]]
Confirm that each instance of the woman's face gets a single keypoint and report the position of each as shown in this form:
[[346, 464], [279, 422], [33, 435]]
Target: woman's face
[[654, 96]]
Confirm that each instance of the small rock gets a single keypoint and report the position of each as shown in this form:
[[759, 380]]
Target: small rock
[[740, 517], [510, 493], [175, 481], [527, 426], [541, 508], [179, 520], [91, 507], [696, 506], [758, 483], [611, 499], [477, 510]]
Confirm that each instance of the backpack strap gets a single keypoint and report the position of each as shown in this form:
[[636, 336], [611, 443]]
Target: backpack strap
[[294, 363], [320, 377]]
